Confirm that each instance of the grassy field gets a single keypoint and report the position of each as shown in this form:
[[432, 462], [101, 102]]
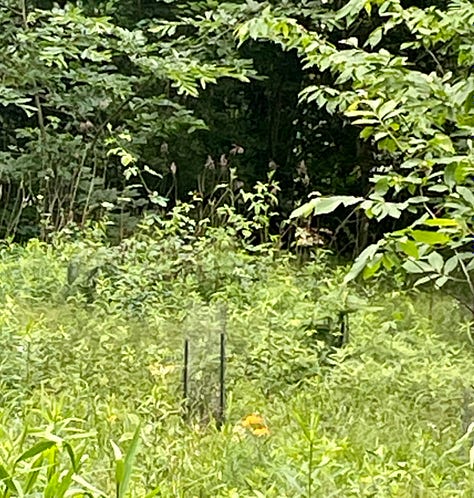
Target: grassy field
[[91, 375]]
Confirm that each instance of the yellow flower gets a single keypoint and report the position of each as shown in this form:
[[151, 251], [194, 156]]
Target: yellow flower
[[261, 431], [255, 424], [253, 419]]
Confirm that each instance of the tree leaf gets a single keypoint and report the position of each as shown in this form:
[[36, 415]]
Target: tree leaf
[[409, 248], [364, 257], [436, 261], [323, 205], [411, 266], [423, 280], [467, 194], [451, 264], [441, 222], [372, 267], [430, 238], [439, 282]]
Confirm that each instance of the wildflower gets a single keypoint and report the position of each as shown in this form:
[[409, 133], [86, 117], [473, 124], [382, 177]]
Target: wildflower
[[261, 431], [255, 424], [252, 420]]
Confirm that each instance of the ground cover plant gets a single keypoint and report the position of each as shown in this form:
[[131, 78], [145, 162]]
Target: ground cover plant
[[91, 374]]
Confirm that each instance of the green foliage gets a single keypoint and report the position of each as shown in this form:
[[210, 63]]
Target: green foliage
[[78, 91], [419, 118], [91, 373]]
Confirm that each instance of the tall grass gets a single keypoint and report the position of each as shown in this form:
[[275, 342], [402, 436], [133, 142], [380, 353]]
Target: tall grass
[[90, 376]]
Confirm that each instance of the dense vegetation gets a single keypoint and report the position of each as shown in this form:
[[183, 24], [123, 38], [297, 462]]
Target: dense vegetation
[[177, 177], [118, 108], [85, 362]]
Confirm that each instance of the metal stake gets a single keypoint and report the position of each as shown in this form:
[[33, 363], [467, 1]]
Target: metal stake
[[220, 415]]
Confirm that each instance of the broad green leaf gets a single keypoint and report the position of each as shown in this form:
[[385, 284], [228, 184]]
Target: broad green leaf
[[371, 269], [424, 280], [323, 205], [361, 261], [441, 222], [411, 266], [386, 108], [303, 211], [349, 200], [450, 175], [375, 37], [431, 238], [451, 264], [381, 187], [443, 142], [467, 194], [439, 282], [409, 248], [436, 261]]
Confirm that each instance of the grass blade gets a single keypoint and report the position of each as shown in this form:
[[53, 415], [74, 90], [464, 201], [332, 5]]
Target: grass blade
[[122, 486]]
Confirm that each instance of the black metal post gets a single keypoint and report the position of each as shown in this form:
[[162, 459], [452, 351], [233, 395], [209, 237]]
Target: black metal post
[[344, 328], [185, 376], [222, 365]]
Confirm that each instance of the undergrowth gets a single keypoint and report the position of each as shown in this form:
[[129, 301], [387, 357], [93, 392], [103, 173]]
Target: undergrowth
[[92, 358]]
